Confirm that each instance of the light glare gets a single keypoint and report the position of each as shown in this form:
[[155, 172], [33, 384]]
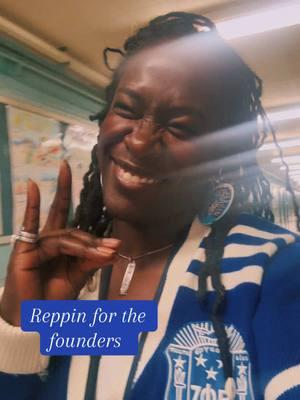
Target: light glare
[[291, 167], [289, 159], [284, 115], [260, 22], [283, 144]]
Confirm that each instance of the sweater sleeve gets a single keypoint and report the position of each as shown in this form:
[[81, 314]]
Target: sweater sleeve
[[21, 364], [20, 351], [277, 327]]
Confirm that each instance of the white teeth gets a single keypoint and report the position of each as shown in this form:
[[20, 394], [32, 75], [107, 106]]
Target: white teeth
[[135, 179], [126, 175], [129, 177]]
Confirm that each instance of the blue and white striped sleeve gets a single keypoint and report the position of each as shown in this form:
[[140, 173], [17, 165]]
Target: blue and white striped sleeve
[[277, 327]]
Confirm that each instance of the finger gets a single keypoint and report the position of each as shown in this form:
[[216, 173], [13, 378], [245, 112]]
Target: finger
[[31, 219], [109, 242], [85, 237], [94, 241], [59, 210], [89, 258], [55, 233], [51, 247]]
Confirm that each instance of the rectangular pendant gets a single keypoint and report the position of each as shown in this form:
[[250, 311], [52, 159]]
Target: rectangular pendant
[[127, 278]]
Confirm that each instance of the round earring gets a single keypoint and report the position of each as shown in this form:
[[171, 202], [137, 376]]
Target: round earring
[[219, 203]]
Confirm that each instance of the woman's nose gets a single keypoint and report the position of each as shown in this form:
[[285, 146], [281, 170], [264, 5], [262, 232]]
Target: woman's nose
[[143, 139]]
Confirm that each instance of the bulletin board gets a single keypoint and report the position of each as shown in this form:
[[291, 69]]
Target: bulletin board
[[35, 152], [36, 145], [78, 143]]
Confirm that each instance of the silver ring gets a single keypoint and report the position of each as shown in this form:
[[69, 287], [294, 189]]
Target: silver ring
[[28, 235], [24, 236]]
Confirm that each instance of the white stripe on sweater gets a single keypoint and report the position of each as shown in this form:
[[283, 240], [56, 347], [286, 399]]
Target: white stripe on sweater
[[175, 277], [79, 366], [249, 274], [235, 250], [250, 231], [282, 382]]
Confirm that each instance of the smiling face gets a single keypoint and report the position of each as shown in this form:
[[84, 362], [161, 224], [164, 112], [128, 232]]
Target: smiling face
[[164, 103]]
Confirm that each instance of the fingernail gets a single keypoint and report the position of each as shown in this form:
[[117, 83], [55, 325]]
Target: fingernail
[[111, 242], [105, 251]]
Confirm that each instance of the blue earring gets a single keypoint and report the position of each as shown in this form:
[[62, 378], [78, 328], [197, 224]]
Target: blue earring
[[219, 203]]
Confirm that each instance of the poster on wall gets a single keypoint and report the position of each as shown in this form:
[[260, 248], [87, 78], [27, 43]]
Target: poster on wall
[[78, 143], [35, 150]]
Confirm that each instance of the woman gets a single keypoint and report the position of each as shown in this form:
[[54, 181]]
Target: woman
[[178, 139]]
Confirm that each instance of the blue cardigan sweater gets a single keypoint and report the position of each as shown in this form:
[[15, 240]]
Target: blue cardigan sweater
[[261, 274]]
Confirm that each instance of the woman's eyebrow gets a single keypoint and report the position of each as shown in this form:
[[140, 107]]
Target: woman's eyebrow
[[190, 110], [172, 110], [131, 93]]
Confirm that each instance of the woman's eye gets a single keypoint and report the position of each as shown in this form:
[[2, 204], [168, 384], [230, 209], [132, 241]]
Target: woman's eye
[[124, 110], [180, 130]]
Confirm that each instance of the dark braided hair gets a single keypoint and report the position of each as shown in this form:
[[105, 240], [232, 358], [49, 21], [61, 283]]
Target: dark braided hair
[[252, 190]]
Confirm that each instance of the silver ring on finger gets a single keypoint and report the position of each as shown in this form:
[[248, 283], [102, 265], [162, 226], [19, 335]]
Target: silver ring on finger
[[28, 235], [14, 238], [24, 236]]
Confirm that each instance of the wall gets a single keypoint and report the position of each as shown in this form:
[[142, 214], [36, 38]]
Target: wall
[[33, 83]]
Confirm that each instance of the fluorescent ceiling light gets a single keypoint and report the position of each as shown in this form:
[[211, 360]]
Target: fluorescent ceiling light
[[284, 115], [294, 167], [288, 160], [282, 144], [264, 21]]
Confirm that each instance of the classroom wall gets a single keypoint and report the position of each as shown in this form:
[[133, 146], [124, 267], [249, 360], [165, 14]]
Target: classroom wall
[[43, 88], [4, 256]]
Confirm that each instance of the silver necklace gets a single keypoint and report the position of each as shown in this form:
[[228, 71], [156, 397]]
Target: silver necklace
[[127, 278]]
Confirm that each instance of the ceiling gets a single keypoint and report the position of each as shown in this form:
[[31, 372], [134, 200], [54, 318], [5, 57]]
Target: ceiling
[[82, 29]]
